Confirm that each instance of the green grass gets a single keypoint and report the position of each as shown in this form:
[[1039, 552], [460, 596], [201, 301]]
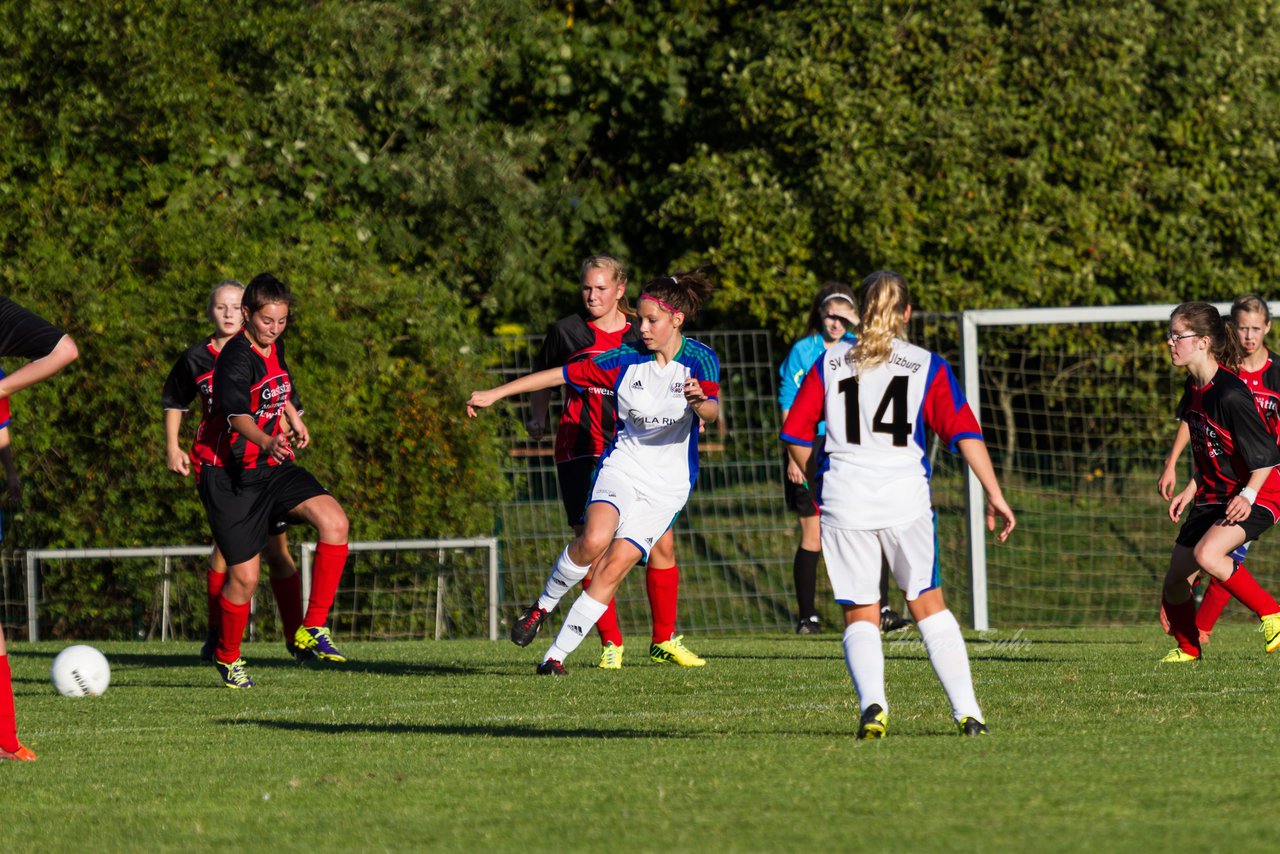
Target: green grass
[[457, 746]]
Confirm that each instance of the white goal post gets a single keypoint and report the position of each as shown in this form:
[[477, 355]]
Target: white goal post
[[971, 355]]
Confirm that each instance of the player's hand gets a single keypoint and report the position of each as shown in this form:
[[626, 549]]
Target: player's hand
[[480, 400], [693, 392], [1238, 509], [1180, 502], [296, 430], [537, 428], [997, 506], [1166, 483], [794, 473], [278, 448], [178, 462]]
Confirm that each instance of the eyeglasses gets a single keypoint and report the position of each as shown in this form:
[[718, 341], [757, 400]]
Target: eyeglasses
[[1174, 339]]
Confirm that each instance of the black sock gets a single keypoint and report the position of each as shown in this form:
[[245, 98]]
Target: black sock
[[805, 571], [884, 585]]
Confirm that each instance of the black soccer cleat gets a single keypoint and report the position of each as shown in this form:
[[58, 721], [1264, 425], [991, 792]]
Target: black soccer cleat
[[809, 626], [299, 655], [972, 726], [551, 667], [527, 625], [892, 621], [873, 724]]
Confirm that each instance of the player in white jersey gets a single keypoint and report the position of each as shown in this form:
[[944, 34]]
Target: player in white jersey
[[877, 397], [662, 390]]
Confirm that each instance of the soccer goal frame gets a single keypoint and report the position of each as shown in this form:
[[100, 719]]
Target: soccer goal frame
[[488, 543], [971, 325], [164, 554]]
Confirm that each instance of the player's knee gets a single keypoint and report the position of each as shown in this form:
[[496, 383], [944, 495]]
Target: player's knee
[[334, 527], [592, 544]]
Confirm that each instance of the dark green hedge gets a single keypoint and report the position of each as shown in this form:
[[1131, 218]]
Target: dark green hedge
[[423, 171]]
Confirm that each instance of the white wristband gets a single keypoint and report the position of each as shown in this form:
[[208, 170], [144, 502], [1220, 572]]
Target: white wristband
[[1250, 495]]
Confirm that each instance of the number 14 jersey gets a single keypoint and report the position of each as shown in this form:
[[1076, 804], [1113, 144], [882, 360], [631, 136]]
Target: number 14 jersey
[[874, 468]]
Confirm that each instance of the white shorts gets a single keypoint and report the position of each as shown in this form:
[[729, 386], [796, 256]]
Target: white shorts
[[642, 518], [853, 560]]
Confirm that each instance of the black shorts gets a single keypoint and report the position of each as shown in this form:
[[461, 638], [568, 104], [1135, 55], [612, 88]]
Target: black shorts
[[245, 508], [576, 478], [1203, 517], [799, 497], [279, 524]]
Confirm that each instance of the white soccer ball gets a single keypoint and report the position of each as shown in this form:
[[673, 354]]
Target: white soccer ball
[[80, 671]]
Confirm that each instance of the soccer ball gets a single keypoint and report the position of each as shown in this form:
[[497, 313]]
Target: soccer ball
[[80, 671]]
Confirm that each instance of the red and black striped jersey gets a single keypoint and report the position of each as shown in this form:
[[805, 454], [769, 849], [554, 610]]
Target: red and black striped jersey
[[1228, 439], [1265, 385], [587, 422], [192, 377], [245, 382]]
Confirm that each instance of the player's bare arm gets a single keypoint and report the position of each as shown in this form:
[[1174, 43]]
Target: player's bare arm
[[63, 354], [175, 458], [550, 378], [1169, 477], [297, 431], [975, 454]]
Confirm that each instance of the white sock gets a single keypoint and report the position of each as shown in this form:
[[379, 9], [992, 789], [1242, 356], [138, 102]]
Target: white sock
[[864, 656], [561, 581], [577, 623], [945, 645]]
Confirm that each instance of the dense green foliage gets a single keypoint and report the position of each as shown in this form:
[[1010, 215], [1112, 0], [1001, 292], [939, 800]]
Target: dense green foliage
[[422, 172], [459, 747]]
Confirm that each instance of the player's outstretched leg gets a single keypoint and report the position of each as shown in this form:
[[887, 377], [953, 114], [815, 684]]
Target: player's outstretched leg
[[564, 576]]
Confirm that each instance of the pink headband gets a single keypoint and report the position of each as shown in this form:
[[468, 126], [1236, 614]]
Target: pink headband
[[661, 304]]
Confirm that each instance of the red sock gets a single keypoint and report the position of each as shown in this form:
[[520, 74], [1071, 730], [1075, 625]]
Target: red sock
[[1215, 600], [325, 575], [663, 586], [8, 718], [607, 625], [288, 593], [1242, 585], [213, 583], [234, 619], [1182, 625]]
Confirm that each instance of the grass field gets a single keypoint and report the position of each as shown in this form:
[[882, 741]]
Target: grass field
[[458, 746]]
